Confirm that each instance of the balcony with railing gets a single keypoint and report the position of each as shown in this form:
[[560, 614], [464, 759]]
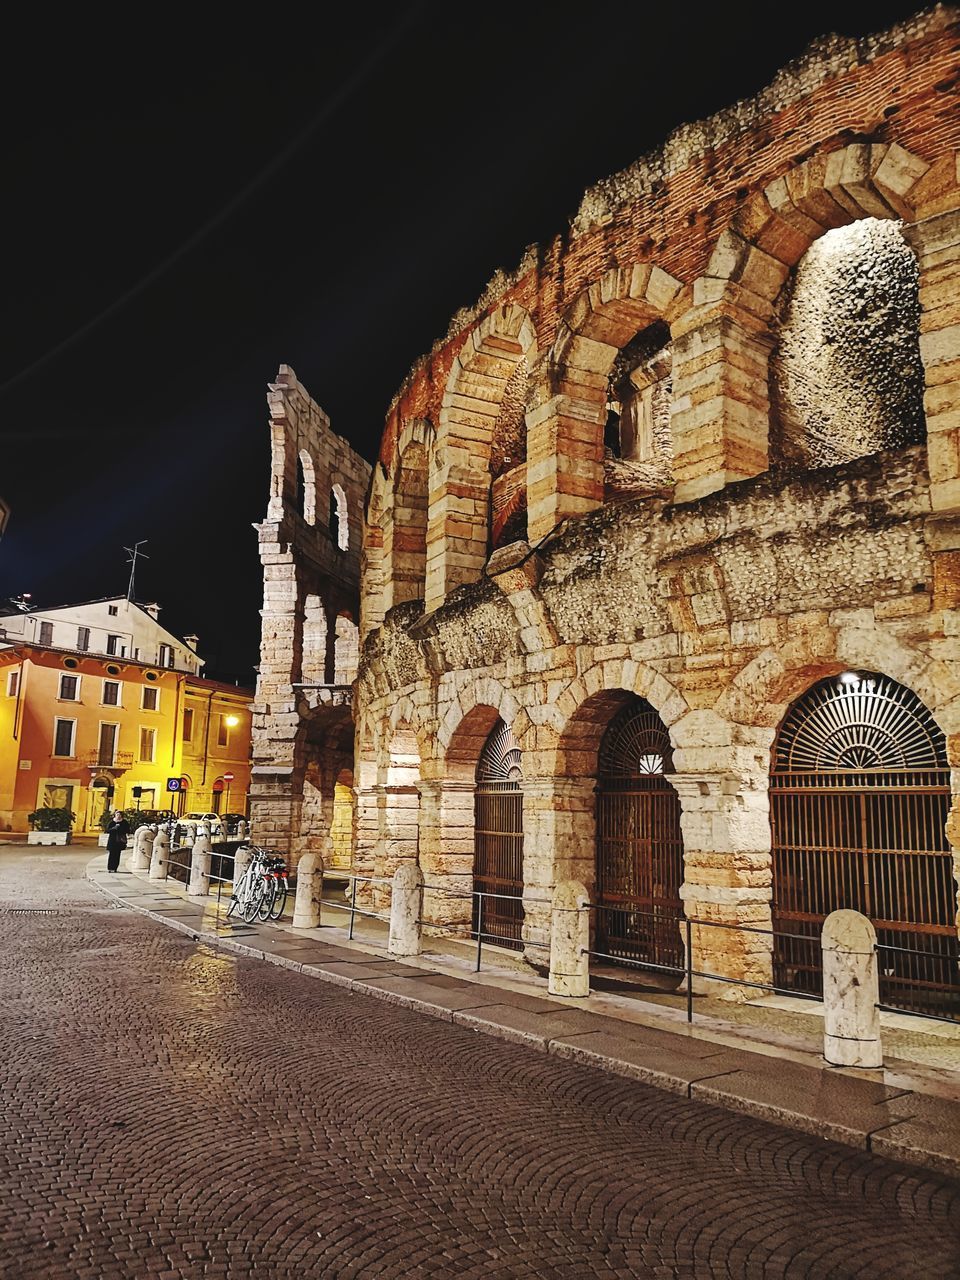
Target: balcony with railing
[[107, 761]]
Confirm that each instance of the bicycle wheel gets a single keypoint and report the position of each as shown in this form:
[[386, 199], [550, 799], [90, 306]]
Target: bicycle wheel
[[279, 898], [254, 902], [266, 902]]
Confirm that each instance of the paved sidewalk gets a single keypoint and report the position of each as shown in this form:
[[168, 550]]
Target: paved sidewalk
[[906, 1111]]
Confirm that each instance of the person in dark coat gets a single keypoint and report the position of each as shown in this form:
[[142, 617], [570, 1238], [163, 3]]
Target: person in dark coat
[[117, 831]]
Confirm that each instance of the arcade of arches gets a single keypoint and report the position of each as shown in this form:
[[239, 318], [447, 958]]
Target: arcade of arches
[[660, 577]]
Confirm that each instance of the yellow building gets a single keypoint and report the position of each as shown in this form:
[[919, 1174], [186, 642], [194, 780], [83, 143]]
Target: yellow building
[[82, 731]]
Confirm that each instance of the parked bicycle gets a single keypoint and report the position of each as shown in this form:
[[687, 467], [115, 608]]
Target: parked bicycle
[[261, 892]]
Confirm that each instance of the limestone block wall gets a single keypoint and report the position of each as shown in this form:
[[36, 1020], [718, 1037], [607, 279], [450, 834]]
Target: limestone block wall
[[310, 548]]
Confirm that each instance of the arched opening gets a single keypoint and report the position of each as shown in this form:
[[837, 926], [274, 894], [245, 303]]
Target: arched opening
[[341, 826], [338, 520], [99, 796], [346, 649], [639, 846], [847, 377], [859, 795], [498, 841], [406, 531], [638, 446], [306, 487]]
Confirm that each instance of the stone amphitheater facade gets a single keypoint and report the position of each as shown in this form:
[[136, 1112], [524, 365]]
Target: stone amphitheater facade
[[698, 454]]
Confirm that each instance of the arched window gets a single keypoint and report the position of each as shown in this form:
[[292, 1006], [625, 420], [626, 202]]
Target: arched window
[[498, 840], [339, 523], [639, 843], [859, 795], [306, 487]]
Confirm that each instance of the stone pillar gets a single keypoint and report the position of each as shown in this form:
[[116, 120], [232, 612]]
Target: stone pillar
[[720, 414], [190, 834], [241, 860], [307, 905], [570, 941], [142, 848], [936, 242], [851, 991], [559, 843], [242, 830], [727, 875], [159, 855], [405, 911], [564, 458], [446, 851], [200, 866]]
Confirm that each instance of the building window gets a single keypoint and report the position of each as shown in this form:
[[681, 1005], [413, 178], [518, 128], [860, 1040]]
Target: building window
[[46, 633], [107, 746], [223, 732], [69, 688], [63, 731], [13, 683], [115, 646], [83, 637], [111, 693], [113, 610], [148, 742], [188, 724], [166, 655], [151, 700]]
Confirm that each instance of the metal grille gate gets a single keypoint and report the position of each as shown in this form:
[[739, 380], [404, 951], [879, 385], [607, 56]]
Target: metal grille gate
[[639, 843], [859, 796], [498, 841]]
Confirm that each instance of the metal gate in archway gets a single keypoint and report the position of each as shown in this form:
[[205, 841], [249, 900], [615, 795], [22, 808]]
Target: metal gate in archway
[[498, 841], [639, 843], [859, 794]]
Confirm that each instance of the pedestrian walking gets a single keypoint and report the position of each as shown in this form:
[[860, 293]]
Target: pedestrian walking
[[117, 831]]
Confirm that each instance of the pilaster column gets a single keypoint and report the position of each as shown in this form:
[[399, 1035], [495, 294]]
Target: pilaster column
[[727, 873], [446, 850], [559, 843]]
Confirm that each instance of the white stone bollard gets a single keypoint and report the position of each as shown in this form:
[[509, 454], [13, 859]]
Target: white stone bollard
[[851, 991], [242, 830], [200, 868], [241, 860], [570, 941], [143, 839], [159, 855], [189, 834], [307, 905], [405, 904]]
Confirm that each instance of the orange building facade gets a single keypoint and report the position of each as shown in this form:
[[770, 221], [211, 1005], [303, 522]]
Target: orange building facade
[[82, 731]]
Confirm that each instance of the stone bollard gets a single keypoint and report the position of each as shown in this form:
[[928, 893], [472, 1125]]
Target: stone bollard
[[200, 868], [241, 860], [189, 834], [851, 991], [405, 924], [242, 830], [159, 855], [143, 839], [306, 907], [570, 941]]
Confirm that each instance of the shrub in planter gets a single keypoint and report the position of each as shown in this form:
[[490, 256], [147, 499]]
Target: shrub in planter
[[49, 819], [50, 826]]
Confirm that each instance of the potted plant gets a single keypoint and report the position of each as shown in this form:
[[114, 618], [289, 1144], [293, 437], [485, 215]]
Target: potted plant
[[50, 825]]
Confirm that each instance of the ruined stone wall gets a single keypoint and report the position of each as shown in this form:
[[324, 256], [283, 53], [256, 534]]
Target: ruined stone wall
[[310, 616], [757, 561]]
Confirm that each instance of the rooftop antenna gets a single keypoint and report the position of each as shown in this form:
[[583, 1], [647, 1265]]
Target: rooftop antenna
[[134, 552]]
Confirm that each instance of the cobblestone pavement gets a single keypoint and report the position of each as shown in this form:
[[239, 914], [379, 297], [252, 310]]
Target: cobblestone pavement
[[168, 1111]]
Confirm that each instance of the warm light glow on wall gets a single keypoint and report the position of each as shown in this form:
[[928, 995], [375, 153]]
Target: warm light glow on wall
[[232, 721]]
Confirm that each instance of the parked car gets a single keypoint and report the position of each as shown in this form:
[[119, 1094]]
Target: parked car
[[230, 821], [212, 820]]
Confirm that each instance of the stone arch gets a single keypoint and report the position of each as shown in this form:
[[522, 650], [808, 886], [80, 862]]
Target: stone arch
[[405, 516], [722, 434], [458, 538], [586, 705], [565, 430], [461, 725]]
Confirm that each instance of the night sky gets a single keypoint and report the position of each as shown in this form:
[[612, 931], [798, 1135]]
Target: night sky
[[187, 208]]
